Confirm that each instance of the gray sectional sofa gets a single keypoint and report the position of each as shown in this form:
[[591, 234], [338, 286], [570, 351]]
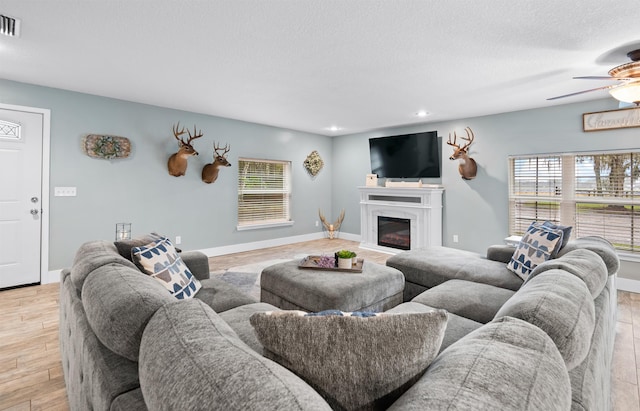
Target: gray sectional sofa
[[127, 344], [572, 298]]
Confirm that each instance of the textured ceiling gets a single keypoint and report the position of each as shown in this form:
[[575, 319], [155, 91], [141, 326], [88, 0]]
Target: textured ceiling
[[312, 64]]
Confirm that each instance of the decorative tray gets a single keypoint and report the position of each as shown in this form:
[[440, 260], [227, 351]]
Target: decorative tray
[[313, 262]]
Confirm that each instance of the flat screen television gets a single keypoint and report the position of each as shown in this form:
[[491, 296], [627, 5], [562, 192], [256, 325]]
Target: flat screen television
[[405, 156]]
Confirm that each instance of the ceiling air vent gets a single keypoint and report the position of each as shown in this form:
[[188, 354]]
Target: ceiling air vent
[[9, 26]]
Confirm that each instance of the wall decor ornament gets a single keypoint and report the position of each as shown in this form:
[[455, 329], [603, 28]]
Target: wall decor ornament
[[106, 147], [177, 163], [611, 119], [211, 170], [313, 163], [467, 167], [331, 228]]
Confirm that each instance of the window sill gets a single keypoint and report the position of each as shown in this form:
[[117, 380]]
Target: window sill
[[634, 258], [260, 226]]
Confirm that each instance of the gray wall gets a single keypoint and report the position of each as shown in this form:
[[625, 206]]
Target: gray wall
[[140, 190], [476, 210]]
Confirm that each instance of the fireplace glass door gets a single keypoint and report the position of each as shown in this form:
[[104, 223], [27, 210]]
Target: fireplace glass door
[[394, 232]]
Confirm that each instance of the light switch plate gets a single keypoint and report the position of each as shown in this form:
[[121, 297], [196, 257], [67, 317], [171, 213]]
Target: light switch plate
[[64, 191]]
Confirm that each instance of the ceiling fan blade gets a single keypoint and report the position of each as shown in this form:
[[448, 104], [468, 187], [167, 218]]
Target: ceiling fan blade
[[603, 78], [596, 78], [582, 92]]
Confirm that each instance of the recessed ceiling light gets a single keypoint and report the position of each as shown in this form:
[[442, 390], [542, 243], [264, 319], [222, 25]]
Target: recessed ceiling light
[[334, 128], [422, 113]]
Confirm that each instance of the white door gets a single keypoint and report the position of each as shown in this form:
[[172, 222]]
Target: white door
[[21, 137]]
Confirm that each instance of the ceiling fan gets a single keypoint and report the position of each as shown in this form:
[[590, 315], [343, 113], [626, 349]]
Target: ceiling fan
[[628, 77]]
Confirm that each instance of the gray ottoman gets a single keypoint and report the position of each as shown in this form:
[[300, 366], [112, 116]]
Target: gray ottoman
[[377, 288]]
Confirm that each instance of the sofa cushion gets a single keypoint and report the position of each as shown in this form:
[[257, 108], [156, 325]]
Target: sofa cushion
[[92, 255], [431, 266], [124, 246], [160, 260], [583, 263], [457, 327], [598, 245], [222, 296], [560, 304], [476, 301], [190, 359], [238, 319], [354, 362], [119, 301], [538, 244], [507, 364]]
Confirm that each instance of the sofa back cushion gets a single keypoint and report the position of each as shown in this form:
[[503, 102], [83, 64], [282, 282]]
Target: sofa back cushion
[[598, 245], [584, 264], [92, 255], [507, 364], [561, 305], [191, 359], [119, 301]]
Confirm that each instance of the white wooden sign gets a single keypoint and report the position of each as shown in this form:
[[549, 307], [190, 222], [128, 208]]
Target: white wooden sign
[[610, 120]]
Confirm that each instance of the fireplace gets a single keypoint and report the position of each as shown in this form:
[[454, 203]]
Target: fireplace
[[415, 215], [394, 232]]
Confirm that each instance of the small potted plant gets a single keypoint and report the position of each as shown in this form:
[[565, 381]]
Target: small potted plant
[[345, 258]]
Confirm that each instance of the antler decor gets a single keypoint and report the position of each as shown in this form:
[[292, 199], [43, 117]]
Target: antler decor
[[331, 228], [177, 163], [468, 167], [210, 171]]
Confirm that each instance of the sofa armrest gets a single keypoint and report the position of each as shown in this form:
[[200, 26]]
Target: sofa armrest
[[500, 253], [198, 263]]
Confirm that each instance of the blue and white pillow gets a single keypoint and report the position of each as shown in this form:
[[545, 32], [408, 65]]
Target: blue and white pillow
[[160, 260], [539, 244]]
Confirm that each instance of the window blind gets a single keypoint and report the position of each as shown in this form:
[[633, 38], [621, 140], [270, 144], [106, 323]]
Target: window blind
[[596, 193], [606, 198], [264, 191], [535, 191]]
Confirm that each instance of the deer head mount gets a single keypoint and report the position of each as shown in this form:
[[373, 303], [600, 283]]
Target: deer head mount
[[177, 163], [467, 167], [210, 171]]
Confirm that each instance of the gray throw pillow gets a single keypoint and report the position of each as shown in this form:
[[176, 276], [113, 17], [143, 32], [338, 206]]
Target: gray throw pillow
[[353, 362], [124, 246]]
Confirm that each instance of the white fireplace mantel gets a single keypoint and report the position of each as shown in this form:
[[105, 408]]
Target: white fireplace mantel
[[421, 205]]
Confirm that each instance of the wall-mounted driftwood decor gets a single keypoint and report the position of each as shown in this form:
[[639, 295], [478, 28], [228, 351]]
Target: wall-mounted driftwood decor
[[106, 147], [611, 120]]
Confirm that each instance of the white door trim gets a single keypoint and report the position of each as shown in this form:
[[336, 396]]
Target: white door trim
[[46, 149]]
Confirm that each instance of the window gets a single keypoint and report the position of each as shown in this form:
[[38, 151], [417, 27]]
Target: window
[[264, 192], [596, 193]]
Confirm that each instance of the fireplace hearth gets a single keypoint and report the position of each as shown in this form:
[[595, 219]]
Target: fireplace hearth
[[394, 232]]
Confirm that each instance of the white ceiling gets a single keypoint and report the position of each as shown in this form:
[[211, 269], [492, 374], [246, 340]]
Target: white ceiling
[[312, 64]]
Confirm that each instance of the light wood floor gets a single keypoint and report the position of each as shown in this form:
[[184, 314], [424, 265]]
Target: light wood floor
[[31, 371]]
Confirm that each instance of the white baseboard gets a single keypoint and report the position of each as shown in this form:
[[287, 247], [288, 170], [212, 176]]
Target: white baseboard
[[626, 284], [51, 277], [256, 245]]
